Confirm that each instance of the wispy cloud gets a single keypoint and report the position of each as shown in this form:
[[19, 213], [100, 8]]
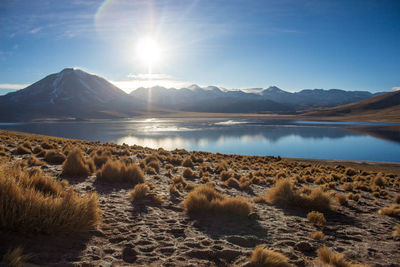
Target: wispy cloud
[[396, 88], [35, 30], [13, 86]]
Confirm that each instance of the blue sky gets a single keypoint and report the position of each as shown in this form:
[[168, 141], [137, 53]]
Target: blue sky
[[293, 44]]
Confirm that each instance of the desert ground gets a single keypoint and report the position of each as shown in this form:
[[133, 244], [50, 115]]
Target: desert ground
[[70, 202]]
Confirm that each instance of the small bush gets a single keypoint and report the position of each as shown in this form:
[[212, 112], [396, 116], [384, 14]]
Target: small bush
[[232, 182], [140, 191], [188, 173], [54, 157], [327, 256], [34, 161], [350, 172], [283, 193], [341, 199], [117, 172], [36, 203], [21, 150], [318, 235], [187, 162], [393, 210], [225, 175], [222, 166], [316, 218], [75, 165], [204, 199], [265, 257]]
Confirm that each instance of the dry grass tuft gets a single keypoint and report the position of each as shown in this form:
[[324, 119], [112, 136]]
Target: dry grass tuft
[[188, 173], [75, 165], [393, 211], [21, 150], [316, 218], [142, 191], [327, 256], [265, 257], [396, 232], [232, 182], [318, 235], [204, 199], [36, 203], [283, 193], [187, 162], [341, 199], [15, 258], [54, 157], [119, 172]]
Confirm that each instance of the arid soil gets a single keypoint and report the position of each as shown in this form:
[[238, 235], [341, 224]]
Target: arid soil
[[161, 233]]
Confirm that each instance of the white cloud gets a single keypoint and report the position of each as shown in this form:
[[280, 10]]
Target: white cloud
[[396, 88], [35, 30], [13, 86]]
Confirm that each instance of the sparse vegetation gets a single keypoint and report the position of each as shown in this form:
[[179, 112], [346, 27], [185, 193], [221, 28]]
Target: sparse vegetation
[[76, 165], [204, 199], [262, 256], [284, 194], [327, 256], [119, 172], [36, 203], [54, 157], [316, 218]]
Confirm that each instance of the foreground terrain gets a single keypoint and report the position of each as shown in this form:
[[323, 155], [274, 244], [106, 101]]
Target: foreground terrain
[[70, 203]]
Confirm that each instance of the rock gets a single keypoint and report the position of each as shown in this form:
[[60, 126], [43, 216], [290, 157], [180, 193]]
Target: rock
[[129, 255], [304, 246]]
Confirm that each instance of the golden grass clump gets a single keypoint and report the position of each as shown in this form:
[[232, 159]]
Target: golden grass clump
[[396, 232], [327, 256], [393, 211], [232, 182], [283, 193], [31, 202], [318, 235], [119, 172], [21, 150], [15, 257], [34, 161], [350, 171], [54, 157], [187, 162], [262, 256], [204, 199], [188, 173], [75, 165], [316, 218], [341, 199], [142, 191]]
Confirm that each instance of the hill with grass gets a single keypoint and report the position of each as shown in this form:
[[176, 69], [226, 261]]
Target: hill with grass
[[384, 107]]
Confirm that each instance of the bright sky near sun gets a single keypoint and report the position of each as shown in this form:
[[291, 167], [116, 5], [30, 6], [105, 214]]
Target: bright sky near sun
[[293, 44]]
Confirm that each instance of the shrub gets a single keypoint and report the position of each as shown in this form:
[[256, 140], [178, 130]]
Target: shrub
[[116, 171], [204, 199], [188, 173], [327, 256], [350, 172], [318, 235], [225, 175], [341, 199], [54, 157], [232, 182], [187, 162], [34, 161], [21, 150], [38, 203], [100, 160], [393, 210], [222, 166], [75, 165], [265, 257], [316, 218], [379, 181], [283, 193], [140, 191], [173, 191]]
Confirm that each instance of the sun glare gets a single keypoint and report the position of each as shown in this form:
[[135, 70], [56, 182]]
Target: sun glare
[[148, 51]]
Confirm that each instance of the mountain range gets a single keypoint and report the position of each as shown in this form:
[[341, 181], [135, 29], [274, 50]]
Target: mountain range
[[75, 94]]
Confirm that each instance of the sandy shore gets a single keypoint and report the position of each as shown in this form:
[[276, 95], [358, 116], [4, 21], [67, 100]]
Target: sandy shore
[[149, 233]]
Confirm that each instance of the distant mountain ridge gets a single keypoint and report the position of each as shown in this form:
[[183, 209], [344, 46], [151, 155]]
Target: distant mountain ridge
[[272, 99], [71, 93], [75, 94]]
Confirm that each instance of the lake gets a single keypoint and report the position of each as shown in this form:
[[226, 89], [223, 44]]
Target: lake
[[286, 138]]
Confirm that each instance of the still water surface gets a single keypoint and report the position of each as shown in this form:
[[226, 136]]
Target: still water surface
[[299, 139]]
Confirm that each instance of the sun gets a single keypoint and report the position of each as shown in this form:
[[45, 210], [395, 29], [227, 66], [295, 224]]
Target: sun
[[148, 51]]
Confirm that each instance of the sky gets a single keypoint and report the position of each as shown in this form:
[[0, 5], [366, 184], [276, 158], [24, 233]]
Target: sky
[[292, 44]]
